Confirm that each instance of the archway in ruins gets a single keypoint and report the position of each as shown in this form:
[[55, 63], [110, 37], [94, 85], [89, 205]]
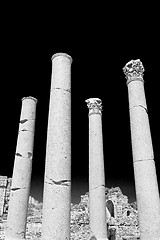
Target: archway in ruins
[[110, 206]]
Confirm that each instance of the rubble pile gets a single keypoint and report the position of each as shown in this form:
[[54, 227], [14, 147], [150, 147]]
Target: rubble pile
[[80, 220]]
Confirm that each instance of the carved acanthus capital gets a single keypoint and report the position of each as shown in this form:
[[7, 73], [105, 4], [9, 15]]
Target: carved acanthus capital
[[94, 105], [133, 69]]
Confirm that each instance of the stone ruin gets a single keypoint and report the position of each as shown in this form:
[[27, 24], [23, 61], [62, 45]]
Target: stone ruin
[[109, 212], [5, 186], [122, 219]]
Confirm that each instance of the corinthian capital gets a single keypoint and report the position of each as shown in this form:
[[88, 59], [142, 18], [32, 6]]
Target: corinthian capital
[[133, 69], [94, 105]]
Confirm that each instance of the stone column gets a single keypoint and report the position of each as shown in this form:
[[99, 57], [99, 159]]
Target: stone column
[[21, 178], [97, 202], [146, 185], [57, 182]]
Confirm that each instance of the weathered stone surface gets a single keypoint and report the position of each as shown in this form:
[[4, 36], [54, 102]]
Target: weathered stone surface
[[147, 193], [122, 223], [21, 178], [97, 205], [57, 182]]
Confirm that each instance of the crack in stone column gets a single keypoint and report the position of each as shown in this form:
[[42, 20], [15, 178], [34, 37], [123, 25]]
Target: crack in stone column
[[141, 160], [61, 182], [15, 189], [102, 185]]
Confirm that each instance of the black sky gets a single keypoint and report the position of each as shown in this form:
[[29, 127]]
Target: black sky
[[100, 46]]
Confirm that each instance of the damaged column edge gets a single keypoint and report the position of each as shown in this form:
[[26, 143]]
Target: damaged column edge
[[22, 121], [28, 153], [18, 188]]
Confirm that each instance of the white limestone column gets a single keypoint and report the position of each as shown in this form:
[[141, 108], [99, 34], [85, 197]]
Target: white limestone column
[[97, 203], [57, 182], [21, 178], [147, 194]]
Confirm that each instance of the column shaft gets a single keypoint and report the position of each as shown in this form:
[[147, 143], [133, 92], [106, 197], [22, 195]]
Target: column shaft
[[57, 182], [21, 178], [146, 185], [97, 203]]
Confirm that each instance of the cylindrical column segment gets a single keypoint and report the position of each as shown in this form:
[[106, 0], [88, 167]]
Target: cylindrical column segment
[[97, 203], [146, 185], [21, 178], [57, 182]]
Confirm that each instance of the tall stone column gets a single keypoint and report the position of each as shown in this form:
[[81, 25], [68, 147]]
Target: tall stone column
[[97, 203], [21, 178], [57, 182], [147, 194]]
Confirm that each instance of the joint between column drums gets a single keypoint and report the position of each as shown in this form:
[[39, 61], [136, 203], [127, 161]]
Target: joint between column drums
[[141, 160], [141, 107], [102, 185]]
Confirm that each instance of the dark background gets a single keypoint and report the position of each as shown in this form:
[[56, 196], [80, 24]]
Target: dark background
[[101, 40]]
